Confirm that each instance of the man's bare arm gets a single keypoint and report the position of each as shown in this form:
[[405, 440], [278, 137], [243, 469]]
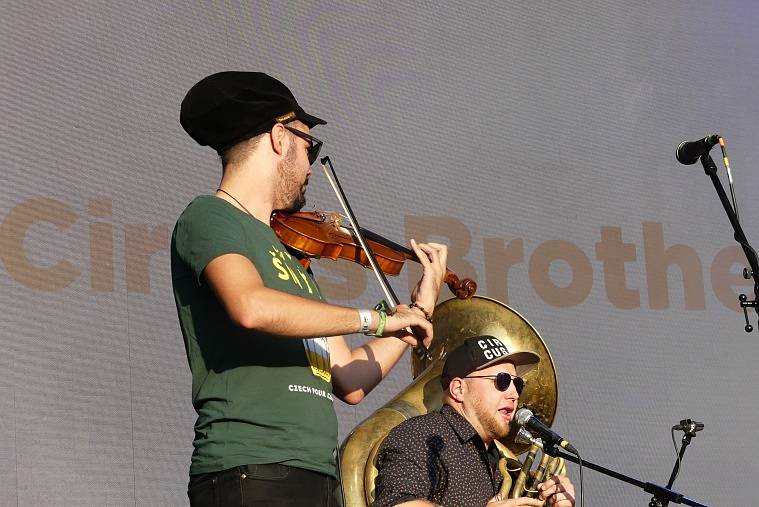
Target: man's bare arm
[[252, 305], [356, 372]]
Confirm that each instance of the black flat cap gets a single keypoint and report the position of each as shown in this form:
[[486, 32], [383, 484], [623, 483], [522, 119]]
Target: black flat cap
[[228, 107]]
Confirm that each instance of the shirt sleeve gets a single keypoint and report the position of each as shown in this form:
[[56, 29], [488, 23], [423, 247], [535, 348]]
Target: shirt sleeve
[[205, 231], [403, 475]]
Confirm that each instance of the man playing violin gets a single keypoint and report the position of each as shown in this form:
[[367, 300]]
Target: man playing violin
[[449, 457], [265, 350]]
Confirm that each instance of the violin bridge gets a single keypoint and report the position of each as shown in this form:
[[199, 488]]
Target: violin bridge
[[335, 220]]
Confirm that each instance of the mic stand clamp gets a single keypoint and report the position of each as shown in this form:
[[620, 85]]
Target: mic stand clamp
[[745, 303], [689, 429]]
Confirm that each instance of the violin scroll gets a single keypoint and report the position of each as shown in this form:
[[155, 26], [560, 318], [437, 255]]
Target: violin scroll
[[462, 289]]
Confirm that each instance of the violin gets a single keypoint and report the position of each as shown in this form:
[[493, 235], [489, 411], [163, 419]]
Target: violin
[[319, 234]]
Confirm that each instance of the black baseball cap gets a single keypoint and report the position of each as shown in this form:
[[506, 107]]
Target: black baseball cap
[[226, 108], [479, 352]]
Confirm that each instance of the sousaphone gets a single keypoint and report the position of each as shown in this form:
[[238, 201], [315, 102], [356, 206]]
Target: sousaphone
[[455, 320]]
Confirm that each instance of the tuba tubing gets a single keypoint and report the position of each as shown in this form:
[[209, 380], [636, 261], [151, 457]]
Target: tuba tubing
[[518, 489], [527, 481]]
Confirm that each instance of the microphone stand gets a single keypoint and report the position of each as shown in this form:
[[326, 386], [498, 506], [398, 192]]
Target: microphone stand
[[689, 433], [660, 492], [711, 170]]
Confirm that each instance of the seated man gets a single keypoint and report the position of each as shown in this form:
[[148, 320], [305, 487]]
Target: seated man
[[448, 457]]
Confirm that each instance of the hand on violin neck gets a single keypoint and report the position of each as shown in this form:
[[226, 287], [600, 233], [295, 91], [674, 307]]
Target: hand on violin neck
[[433, 257], [405, 318]]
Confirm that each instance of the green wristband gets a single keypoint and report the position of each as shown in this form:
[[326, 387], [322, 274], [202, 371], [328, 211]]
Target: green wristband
[[381, 325]]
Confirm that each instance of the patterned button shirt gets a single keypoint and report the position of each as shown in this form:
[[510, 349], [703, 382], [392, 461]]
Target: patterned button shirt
[[438, 456]]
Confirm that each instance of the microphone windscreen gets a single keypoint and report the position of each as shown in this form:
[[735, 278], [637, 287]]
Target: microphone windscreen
[[522, 416]]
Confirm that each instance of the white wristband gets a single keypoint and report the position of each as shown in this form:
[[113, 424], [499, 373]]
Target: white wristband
[[366, 320]]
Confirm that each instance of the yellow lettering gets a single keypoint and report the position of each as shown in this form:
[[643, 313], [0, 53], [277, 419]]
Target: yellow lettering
[[348, 283], [539, 271], [422, 228], [658, 260], [141, 243], [283, 275], [499, 259], [613, 253], [305, 279], [101, 246], [293, 276], [13, 231], [724, 280]]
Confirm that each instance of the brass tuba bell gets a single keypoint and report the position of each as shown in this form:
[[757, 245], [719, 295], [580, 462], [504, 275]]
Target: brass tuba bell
[[454, 321]]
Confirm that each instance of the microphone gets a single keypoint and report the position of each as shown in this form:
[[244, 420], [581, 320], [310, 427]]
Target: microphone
[[688, 426], [525, 418], [690, 151]]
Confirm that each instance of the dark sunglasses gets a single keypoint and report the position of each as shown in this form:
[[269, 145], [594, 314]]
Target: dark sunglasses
[[314, 146], [503, 381]]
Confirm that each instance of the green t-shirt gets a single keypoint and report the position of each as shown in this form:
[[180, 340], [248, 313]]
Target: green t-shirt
[[259, 398]]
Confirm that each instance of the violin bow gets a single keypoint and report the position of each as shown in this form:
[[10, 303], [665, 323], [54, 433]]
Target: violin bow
[[391, 299]]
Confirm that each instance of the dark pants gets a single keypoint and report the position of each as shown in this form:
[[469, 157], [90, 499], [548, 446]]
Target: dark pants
[[272, 485]]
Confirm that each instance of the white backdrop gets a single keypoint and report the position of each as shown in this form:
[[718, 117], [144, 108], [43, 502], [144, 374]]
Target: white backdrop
[[536, 139]]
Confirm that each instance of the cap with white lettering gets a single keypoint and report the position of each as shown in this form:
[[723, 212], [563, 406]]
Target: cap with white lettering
[[479, 352]]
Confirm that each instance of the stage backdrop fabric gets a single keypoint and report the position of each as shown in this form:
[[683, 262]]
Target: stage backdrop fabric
[[536, 139]]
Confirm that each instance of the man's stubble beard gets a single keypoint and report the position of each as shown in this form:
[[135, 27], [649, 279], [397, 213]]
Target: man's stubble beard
[[490, 422], [290, 195]]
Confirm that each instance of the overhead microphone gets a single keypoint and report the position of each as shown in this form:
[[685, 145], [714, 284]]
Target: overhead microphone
[[688, 426], [525, 418], [690, 151]]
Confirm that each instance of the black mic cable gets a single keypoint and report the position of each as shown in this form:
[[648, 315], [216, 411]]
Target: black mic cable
[[579, 459], [726, 161]]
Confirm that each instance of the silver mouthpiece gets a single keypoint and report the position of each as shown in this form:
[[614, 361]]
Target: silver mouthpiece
[[525, 437]]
